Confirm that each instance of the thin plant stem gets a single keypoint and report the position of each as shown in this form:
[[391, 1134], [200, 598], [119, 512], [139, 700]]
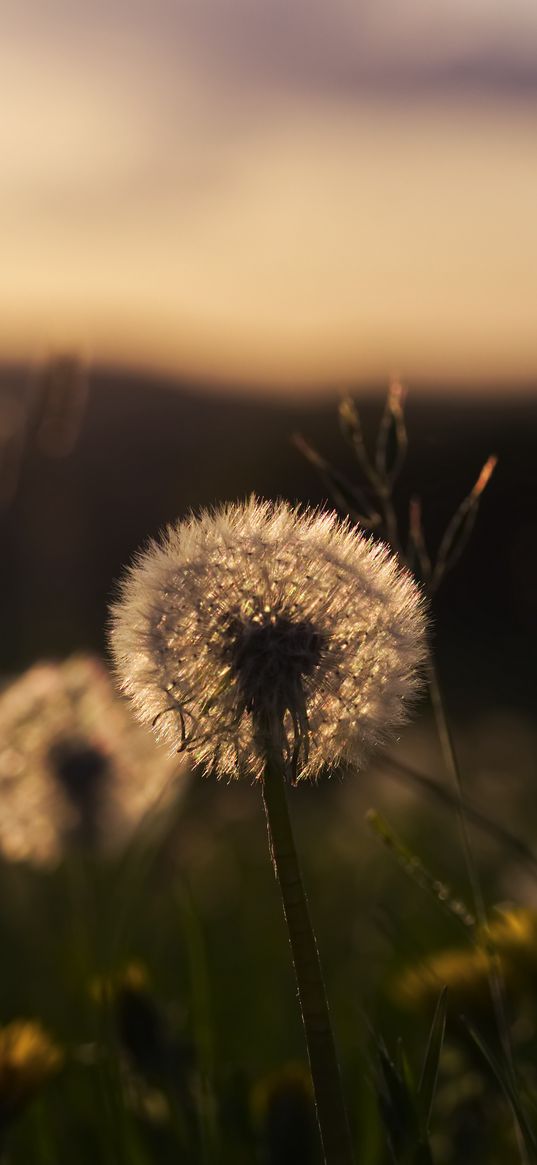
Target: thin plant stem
[[328, 1091], [494, 967], [393, 767], [390, 517]]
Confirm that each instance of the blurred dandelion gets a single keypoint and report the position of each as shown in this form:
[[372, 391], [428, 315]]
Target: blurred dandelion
[[262, 616], [28, 1059], [74, 769]]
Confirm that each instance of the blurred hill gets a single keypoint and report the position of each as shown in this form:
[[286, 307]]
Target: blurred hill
[[142, 452]]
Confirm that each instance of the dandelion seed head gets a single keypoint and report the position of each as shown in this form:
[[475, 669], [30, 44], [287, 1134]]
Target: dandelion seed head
[[262, 613], [74, 767]]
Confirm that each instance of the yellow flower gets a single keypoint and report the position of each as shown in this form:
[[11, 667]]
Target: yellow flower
[[512, 935], [28, 1059]]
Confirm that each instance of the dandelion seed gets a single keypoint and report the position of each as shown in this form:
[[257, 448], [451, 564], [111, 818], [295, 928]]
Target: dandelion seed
[[74, 769], [263, 615]]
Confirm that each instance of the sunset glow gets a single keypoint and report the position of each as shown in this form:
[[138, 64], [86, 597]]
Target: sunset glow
[[169, 209]]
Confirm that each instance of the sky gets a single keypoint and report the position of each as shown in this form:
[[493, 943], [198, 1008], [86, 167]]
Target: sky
[[272, 191]]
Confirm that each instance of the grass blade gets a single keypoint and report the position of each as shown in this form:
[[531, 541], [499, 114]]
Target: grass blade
[[429, 1075], [511, 1094]]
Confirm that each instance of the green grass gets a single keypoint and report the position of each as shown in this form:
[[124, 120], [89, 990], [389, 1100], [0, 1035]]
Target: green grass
[[171, 1072]]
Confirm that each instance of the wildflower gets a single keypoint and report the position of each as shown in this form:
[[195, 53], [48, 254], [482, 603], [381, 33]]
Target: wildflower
[[259, 619], [141, 1026], [513, 936], [28, 1059], [73, 767], [154, 1053], [144, 1029]]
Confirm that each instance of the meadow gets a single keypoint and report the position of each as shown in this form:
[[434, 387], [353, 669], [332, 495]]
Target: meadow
[[147, 1000]]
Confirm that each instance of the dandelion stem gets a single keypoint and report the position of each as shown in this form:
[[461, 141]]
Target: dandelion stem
[[330, 1105]]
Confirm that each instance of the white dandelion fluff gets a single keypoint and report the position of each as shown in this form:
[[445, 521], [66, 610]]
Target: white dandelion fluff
[[259, 616], [74, 767]]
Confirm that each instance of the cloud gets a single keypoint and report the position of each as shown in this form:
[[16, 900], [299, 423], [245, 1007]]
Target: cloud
[[389, 239], [375, 44], [300, 45]]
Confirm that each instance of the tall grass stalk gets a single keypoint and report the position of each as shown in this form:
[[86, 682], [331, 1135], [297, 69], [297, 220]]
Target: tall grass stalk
[[495, 973]]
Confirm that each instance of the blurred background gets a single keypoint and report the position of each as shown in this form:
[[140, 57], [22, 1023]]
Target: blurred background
[[216, 216], [275, 193], [225, 214]]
